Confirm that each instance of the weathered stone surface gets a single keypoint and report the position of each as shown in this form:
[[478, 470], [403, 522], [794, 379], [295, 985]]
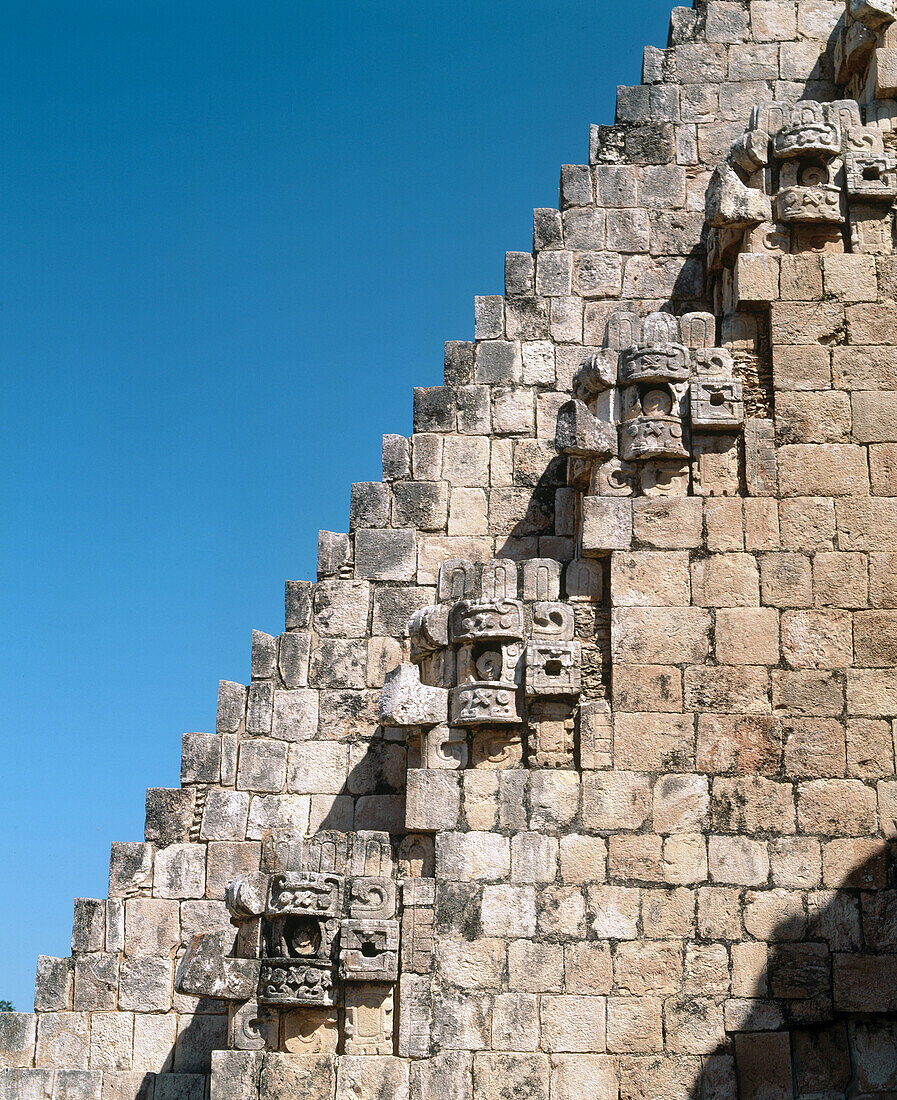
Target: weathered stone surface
[[654, 862]]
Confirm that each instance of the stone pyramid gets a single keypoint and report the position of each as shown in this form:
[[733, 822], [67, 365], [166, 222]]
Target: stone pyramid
[[573, 775]]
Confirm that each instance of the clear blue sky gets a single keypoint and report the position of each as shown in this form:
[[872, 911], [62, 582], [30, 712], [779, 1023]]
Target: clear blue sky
[[232, 238]]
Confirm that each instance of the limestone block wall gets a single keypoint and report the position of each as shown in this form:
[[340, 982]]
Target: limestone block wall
[[621, 825]]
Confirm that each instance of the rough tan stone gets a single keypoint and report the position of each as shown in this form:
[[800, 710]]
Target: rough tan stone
[[813, 417], [823, 470], [840, 580], [817, 639], [653, 742], [719, 913], [615, 800], [875, 638], [872, 692], [883, 580], [814, 747], [810, 693], [752, 804], [849, 862], [647, 688], [740, 689], [801, 367], [738, 743], [583, 1077], [614, 911], [535, 967], [786, 580], [667, 522], [508, 1075], [572, 1022], [635, 858], [737, 860], [652, 966], [870, 748], [795, 861], [747, 636], [588, 968], [584, 858], [833, 807], [807, 523], [634, 1024], [724, 522], [650, 579], [725, 580], [667, 912], [660, 636]]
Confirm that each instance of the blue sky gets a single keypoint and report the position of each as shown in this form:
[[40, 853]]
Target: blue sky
[[233, 237]]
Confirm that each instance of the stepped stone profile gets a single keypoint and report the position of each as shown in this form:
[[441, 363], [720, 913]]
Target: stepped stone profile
[[573, 775]]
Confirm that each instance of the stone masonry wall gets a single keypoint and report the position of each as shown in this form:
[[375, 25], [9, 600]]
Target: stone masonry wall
[[573, 775]]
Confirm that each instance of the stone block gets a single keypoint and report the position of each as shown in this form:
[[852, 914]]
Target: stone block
[[634, 1024], [606, 524], [695, 1024], [874, 416], [262, 765], [511, 1074], [305, 1075], [663, 636], [811, 417], [747, 636], [433, 800], [615, 800], [801, 367], [201, 757], [653, 742], [864, 368], [814, 747], [18, 1032], [725, 580], [663, 523], [680, 803], [655, 688], [756, 278], [572, 1023], [145, 984], [583, 858], [385, 555], [825, 469], [751, 804], [836, 807], [169, 815], [473, 856], [554, 799], [53, 984], [737, 860], [650, 579], [817, 639], [508, 911], [786, 580], [111, 1042], [738, 743], [614, 911], [152, 926], [635, 858]]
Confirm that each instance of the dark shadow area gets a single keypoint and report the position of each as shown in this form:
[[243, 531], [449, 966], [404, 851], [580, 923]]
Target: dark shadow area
[[819, 1019]]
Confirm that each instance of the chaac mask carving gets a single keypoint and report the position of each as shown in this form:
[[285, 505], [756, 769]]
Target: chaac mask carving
[[807, 177], [317, 942], [659, 412], [491, 670]]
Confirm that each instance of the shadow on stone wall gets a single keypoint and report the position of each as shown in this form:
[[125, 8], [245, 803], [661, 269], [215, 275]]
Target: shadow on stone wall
[[819, 1019]]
